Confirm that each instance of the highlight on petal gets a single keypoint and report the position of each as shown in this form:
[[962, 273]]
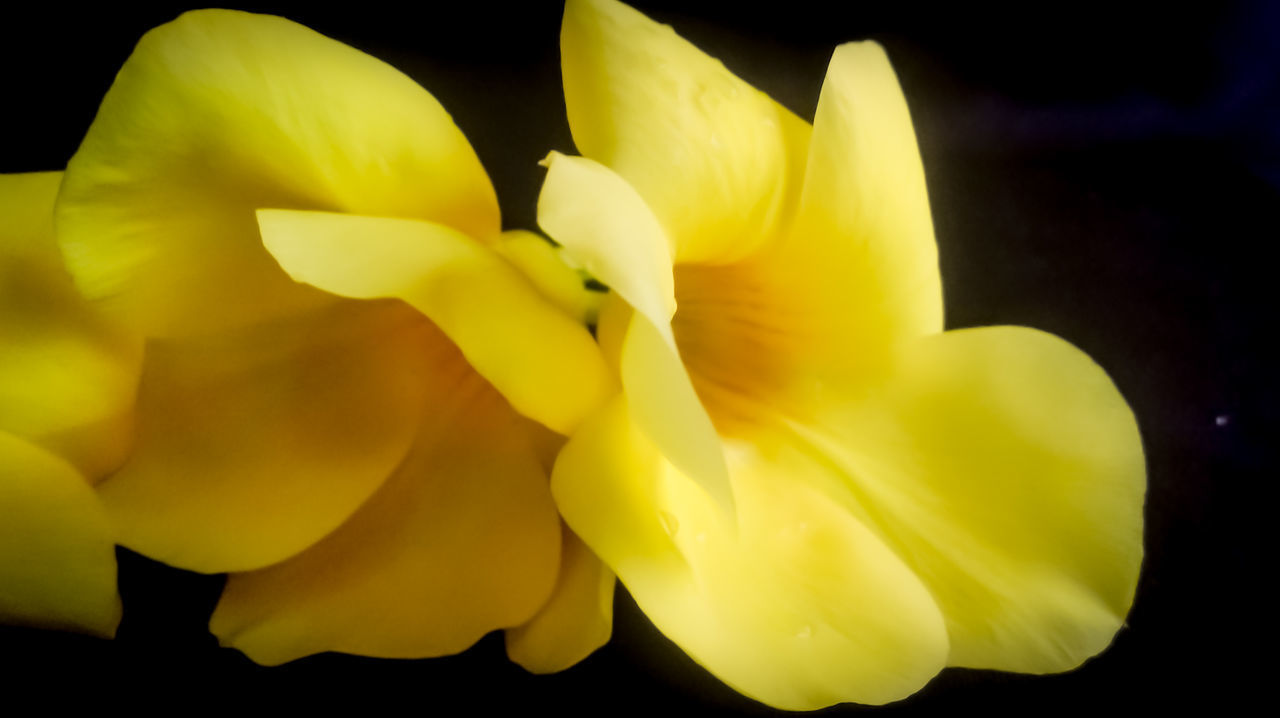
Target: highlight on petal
[[219, 113], [255, 444], [542, 361], [1003, 466], [576, 620], [861, 255], [67, 377], [718, 161], [799, 605], [461, 540], [57, 557]]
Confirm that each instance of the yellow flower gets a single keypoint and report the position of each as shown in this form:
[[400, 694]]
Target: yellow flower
[[805, 483], [357, 447], [67, 381]]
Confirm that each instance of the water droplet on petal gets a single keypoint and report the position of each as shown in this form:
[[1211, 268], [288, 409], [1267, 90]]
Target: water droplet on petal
[[805, 632]]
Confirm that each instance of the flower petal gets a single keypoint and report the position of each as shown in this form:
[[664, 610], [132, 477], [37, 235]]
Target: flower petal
[[220, 112], [602, 223], [863, 237], [799, 606], [462, 540], [1007, 471], [718, 161], [577, 619], [57, 558], [543, 361], [67, 377], [254, 445], [605, 226], [546, 267]]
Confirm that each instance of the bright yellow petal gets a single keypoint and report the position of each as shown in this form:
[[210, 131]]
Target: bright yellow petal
[[57, 558], [545, 265], [602, 223], [543, 361], [1004, 467], [576, 620], [718, 161], [67, 377], [800, 606], [219, 113], [861, 254], [252, 446], [462, 540]]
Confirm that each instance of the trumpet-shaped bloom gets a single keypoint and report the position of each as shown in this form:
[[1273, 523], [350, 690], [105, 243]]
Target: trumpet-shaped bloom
[[67, 379], [349, 383], [805, 482]]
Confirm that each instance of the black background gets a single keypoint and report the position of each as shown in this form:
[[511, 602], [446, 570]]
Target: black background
[[1104, 171]]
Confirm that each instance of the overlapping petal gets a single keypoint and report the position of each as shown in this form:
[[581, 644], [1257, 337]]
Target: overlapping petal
[[57, 557], [719, 162], [1006, 469], [798, 605], [539, 357], [67, 377], [254, 444], [340, 453], [576, 620], [970, 498], [603, 223], [219, 113], [462, 539]]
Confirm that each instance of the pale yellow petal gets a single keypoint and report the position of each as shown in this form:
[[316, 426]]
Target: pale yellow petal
[[576, 620], [603, 224], [219, 113], [67, 377], [57, 558], [799, 606], [1007, 471], [542, 360], [861, 259], [666, 407], [254, 445], [606, 227], [718, 161], [462, 540]]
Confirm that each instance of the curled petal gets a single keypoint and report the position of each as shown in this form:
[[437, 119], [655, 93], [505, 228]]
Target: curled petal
[[219, 113], [603, 223], [543, 361]]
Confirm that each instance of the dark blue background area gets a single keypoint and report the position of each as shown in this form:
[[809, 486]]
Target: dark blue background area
[[1107, 172]]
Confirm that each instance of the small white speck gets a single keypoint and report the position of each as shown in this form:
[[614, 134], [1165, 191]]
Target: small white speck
[[1222, 420], [669, 523]]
